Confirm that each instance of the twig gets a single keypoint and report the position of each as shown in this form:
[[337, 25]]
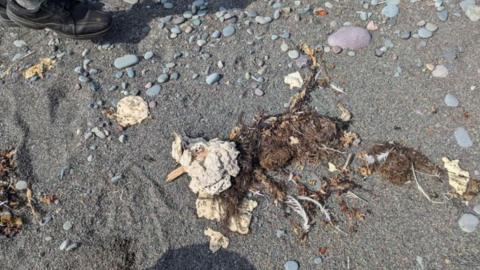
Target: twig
[[336, 88], [421, 189], [323, 210], [331, 149], [348, 161], [30, 204], [428, 174], [295, 205], [351, 194]]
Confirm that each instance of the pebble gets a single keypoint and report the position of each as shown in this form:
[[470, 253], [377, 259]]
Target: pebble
[[259, 92], [443, 15], [462, 137], [424, 33], [468, 223], [350, 37], [213, 78], [71, 247], [130, 72], [228, 31], [64, 244], [167, 5], [293, 54], [67, 225], [473, 13], [405, 35], [476, 209], [451, 100], [284, 47], [148, 55], [431, 27], [98, 133], [390, 10], [216, 34], [116, 178], [280, 233], [122, 138], [126, 61], [263, 20], [318, 260], [440, 71], [19, 43], [21, 185], [175, 76], [153, 91], [162, 78], [291, 265]]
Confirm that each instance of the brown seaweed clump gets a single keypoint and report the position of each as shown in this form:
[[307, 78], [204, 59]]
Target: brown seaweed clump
[[396, 162], [10, 225]]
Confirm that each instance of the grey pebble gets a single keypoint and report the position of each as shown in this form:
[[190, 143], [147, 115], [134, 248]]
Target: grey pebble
[[118, 74], [468, 223], [216, 34], [130, 72], [293, 54], [424, 33], [153, 91], [390, 10], [462, 137], [64, 244], [126, 61], [148, 55], [291, 265], [83, 79], [228, 31], [318, 260], [163, 78], [122, 138], [67, 225], [21, 185], [19, 43], [476, 209], [213, 78], [443, 15], [259, 92], [116, 178], [405, 35], [263, 20], [175, 76], [451, 100], [71, 247]]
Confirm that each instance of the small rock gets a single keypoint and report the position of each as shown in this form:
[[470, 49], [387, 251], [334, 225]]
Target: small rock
[[451, 100], [71, 247], [284, 47], [64, 244], [405, 35], [19, 43], [440, 71], [126, 61], [259, 92], [291, 265], [153, 91], [350, 37], [67, 225], [216, 34], [318, 260], [280, 233], [122, 138], [468, 223], [431, 27], [424, 33], [263, 20], [213, 78], [228, 31], [148, 55], [98, 133], [116, 178], [163, 78], [293, 54], [21, 185], [443, 15], [473, 13], [462, 137], [390, 11]]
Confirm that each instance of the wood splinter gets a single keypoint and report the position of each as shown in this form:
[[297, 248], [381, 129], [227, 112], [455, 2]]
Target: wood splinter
[[175, 174]]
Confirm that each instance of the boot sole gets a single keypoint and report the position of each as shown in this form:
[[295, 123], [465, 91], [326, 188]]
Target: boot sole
[[28, 24]]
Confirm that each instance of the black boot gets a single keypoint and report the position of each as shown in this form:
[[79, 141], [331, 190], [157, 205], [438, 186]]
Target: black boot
[[69, 18], [4, 20]]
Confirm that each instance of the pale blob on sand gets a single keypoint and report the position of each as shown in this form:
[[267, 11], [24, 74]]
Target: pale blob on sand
[[350, 37]]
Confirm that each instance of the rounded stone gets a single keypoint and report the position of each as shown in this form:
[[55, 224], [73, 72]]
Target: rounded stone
[[21, 185], [67, 225], [126, 61], [476, 209], [259, 92], [163, 78], [440, 71], [468, 223], [424, 33], [390, 10], [153, 91], [228, 31], [148, 55], [291, 265], [213, 78], [451, 100], [462, 137], [317, 260], [293, 54], [350, 37]]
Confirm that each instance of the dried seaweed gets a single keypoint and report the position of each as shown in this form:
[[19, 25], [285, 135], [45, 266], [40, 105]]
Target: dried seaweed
[[394, 162]]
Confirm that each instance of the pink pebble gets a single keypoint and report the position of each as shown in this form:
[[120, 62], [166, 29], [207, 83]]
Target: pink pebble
[[350, 37]]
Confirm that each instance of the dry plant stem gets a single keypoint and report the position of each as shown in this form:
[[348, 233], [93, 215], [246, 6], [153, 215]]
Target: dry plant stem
[[175, 174], [421, 189], [324, 211], [348, 161], [30, 205], [351, 194]]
